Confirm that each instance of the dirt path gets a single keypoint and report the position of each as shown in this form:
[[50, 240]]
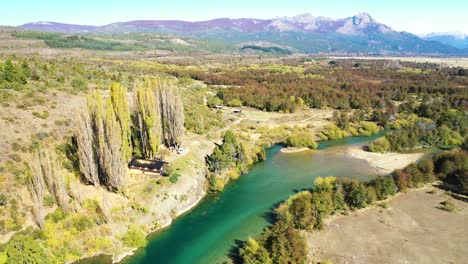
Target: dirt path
[[411, 230]]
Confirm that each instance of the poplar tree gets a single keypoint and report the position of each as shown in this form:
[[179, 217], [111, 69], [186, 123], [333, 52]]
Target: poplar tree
[[113, 150], [148, 118], [119, 103], [53, 178], [102, 150], [96, 113], [172, 113], [86, 152], [36, 189]]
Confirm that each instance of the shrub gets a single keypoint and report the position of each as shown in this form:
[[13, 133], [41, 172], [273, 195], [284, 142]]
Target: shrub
[[214, 101], [333, 132], [49, 200], [380, 145], [301, 140], [44, 115], [448, 206], [24, 249], [82, 222], [57, 215], [384, 187], [301, 210], [235, 103], [174, 177], [3, 199], [368, 128], [134, 238], [78, 84]]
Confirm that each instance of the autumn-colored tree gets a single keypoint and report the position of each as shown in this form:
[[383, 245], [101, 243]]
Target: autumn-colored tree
[[148, 118], [119, 103], [113, 151], [36, 189], [86, 152], [100, 144], [53, 177], [172, 113]]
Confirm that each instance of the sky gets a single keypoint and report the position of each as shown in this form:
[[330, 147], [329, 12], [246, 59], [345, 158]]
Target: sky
[[415, 16]]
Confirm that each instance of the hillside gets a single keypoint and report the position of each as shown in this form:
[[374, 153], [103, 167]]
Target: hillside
[[360, 34], [455, 39]]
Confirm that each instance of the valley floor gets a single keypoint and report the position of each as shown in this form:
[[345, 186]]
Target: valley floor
[[411, 230]]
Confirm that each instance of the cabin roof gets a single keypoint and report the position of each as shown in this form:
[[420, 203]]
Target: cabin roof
[[147, 164]]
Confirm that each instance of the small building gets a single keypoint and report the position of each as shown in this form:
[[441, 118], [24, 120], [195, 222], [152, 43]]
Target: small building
[[147, 165], [237, 111]]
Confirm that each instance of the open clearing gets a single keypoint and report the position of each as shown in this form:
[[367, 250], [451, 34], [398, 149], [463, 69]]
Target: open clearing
[[411, 230]]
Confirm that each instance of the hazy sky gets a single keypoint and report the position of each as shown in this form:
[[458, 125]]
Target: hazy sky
[[416, 16]]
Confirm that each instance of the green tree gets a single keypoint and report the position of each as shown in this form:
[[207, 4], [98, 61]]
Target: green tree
[[148, 119], [24, 249], [253, 252], [119, 103], [302, 211], [380, 145], [217, 161], [384, 187], [302, 139]]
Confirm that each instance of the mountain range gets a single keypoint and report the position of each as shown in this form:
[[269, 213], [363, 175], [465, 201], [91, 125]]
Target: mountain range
[[456, 39], [360, 34]]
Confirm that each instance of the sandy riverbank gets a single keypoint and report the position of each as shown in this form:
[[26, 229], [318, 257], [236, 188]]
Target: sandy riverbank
[[384, 163], [410, 230], [293, 150]]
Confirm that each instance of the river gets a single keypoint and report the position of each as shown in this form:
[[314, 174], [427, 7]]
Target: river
[[207, 233]]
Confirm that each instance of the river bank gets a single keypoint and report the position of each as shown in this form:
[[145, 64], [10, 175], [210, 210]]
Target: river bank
[[384, 163], [293, 150], [411, 229]]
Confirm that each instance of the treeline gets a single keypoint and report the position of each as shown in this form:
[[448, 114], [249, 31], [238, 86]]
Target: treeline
[[338, 87], [419, 133], [61, 41], [283, 243], [109, 134]]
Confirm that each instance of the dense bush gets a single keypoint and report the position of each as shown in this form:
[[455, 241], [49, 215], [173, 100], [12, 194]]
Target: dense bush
[[3, 199], [25, 249], [82, 222], [134, 238], [452, 169], [301, 140], [380, 145], [13, 76]]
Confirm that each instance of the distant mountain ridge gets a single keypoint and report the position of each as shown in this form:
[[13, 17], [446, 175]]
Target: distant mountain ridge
[[359, 34], [456, 39]]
